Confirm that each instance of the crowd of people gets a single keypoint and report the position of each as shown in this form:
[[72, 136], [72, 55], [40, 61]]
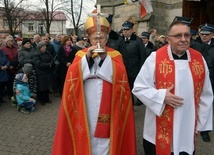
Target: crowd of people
[[171, 74], [49, 59]]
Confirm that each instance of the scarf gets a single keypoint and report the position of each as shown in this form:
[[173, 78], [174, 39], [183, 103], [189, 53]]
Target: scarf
[[67, 49]]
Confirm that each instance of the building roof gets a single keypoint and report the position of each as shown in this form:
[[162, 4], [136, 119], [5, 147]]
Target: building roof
[[57, 15], [35, 15]]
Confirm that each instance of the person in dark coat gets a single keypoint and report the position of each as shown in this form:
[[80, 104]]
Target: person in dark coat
[[43, 63], [11, 51], [197, 45], [25, 56], [116, 42], [36, 40], [51, 50], [26, 53], [4, 65], [150, 47], [80, 45], [136, 52], [66, 55], [161, 41], [206, 34], [49, 46], [56, 43]]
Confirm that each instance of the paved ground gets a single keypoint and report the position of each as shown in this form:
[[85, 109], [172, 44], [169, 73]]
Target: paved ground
[[33, 134]]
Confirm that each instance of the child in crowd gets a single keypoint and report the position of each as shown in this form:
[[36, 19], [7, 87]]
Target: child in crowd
[[23, 94]]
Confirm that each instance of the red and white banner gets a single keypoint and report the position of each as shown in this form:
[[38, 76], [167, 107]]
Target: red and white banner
[[145, 7]]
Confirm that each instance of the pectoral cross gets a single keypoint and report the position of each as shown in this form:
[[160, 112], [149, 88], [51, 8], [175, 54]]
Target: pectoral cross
[[98, 15]]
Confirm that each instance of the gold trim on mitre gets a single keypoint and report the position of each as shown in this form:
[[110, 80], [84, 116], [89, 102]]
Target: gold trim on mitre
[[91, 25]]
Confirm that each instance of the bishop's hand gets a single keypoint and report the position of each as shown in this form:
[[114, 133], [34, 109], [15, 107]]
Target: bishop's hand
[[90, 52]]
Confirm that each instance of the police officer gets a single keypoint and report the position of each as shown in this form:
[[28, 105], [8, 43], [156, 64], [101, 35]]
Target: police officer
[[150, 47], [136, 53], [206, 37], [116, 42]]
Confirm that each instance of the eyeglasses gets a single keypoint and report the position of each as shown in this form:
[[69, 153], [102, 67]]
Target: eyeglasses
[[179, 36]]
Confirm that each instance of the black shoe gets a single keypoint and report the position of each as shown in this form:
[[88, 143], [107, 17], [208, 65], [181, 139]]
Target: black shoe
[[205, 136]]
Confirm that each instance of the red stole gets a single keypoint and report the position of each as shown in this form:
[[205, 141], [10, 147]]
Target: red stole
[[72, 134], [103, 122], [165, 77]]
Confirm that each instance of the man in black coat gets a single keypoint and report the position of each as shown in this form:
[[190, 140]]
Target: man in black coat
[[116, 42], [49, 46], [36, 40], [136, 52], [150, 47], [206, 38], [51, 50]]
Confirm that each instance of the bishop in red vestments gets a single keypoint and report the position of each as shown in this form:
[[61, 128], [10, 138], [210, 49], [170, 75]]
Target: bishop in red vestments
[[96, 113]]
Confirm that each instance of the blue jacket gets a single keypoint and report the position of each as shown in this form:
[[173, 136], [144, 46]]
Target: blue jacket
[[25, 93], [56, 45], [3, 61]]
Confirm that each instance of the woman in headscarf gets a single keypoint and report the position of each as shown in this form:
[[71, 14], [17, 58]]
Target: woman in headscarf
[[43, 63]]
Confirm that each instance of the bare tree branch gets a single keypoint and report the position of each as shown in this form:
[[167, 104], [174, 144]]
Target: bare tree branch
[[74, 11], [48, 13], [14, 14]]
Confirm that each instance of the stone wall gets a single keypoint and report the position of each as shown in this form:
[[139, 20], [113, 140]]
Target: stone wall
[[163, 14], [122, 13]]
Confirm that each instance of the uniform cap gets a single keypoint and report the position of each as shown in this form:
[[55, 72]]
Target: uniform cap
[[185, 20], [193, 32], [127, 25], [145, 34], [206, 24], [206, 30]]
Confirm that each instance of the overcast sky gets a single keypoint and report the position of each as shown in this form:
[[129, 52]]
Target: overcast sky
[[88, 5]]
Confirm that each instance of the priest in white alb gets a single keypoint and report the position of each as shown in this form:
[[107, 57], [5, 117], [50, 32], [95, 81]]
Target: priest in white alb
[[174, 85]]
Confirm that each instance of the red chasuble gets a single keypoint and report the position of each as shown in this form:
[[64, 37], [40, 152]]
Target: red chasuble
[[72, 133], [165, 77]]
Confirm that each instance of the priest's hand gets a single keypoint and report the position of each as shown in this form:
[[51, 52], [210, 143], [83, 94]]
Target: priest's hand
[[171, 99]]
